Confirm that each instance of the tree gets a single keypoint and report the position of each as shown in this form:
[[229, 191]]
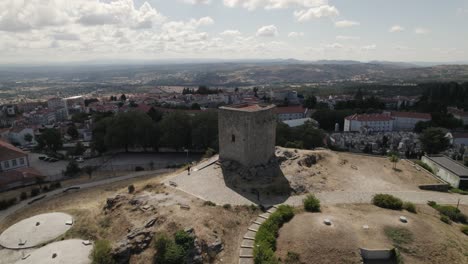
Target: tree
[[50, 139], [394, 159], [176, 130], [123, 97], [205, 130], [72, 169], [28, 138], [195, 106], [155, 115], [79, 149], [73, 132], [79, 118], [89, 170], [310, 102], [255, 90], [433, 140]]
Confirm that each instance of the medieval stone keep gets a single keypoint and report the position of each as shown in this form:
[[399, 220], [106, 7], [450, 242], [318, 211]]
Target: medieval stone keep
[[247, 133]]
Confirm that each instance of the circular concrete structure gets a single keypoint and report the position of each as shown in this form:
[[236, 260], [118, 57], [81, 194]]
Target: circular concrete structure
[[35, 230], [71, 251]]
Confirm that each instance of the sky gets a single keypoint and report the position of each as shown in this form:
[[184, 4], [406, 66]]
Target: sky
[[364, 30]]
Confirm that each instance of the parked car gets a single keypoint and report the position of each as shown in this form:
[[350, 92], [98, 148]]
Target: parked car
[[79, 159], [42, 157]]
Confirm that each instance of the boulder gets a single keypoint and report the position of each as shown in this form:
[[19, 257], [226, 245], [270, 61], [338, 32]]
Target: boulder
[[308, 161], [136, 241], [114, 202]]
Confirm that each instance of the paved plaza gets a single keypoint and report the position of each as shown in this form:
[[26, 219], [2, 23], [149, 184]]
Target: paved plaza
[[35, 230], [71, 251]]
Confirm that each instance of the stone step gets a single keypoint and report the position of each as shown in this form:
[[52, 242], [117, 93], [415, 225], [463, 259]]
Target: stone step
[[272, 210], [265, 215], [254, 227], [246, 252], [247, 243], [250, 235], [259, 220], [246, 261], [275, 206]]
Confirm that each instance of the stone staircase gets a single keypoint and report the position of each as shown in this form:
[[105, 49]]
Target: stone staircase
[[247, 245]]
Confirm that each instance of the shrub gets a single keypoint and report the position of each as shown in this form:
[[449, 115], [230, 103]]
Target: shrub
[[102, 253], [209, 203], [399, 235], [424, 165], [56, 185], [311, 203], [35, 192], [451, 212], [227, 206], [23, 196], [431, 203], [410, 207], [72, 169], [139, 168], [209, 153], [183, 239], [265, 238], [387, 201], [464, 229], [456, 190], [45, 188], [4, 204], [445, 219], [131, 188]]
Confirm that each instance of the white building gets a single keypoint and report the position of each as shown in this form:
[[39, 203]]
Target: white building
[[406, 121], [11, 157], [448, 170], [291, 112], [369, 122]]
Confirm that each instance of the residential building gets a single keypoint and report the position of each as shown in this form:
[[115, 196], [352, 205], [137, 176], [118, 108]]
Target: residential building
[[369, 123], [448, 170], [12, 157], [291, 112], [407, 121]]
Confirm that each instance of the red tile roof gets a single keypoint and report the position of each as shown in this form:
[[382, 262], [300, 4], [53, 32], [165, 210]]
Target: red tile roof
[[412, 115], [24, 175], [369, 117], [9, 152], [290, 109]]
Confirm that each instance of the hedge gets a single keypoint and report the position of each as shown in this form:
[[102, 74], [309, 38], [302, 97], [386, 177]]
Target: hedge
[[387, 201], [265, 239], [449, 211], [311, 203]]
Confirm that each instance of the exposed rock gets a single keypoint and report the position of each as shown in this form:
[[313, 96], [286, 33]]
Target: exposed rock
[[308, 161], [114, 202], [137, 241], [215, 248]]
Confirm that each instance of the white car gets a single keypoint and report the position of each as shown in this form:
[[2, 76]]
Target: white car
[[79, 159]]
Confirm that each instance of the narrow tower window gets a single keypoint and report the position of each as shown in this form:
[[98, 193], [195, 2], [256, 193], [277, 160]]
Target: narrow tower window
[[233, 138]]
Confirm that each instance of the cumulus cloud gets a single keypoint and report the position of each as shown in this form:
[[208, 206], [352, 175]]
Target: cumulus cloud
[[396, 28], [295, 34], [346, 23], [421, 31], [334, 46], [267, 31], [341, 37], [273, 4], [369, 47], [316, 12], [230, 33]]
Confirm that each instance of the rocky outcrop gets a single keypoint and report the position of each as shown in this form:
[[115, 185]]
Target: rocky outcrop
[[114, 202], [136, 241]]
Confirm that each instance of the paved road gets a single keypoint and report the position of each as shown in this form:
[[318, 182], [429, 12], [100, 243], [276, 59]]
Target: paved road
[[49, 195]]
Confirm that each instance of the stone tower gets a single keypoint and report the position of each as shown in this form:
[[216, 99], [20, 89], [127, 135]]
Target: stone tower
[[247, 133]]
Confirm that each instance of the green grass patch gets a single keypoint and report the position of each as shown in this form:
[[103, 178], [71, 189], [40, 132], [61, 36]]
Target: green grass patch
[[459, 191], [311, 203], [173, 251], [292, 258], [102, 253], [424, 165], [400, 236], [464, 229], [410, 207], [265, 239], [387, 201], [449, 211]]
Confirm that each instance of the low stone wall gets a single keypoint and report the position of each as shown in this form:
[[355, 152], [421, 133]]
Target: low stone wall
[[376, 254], [435, 187]]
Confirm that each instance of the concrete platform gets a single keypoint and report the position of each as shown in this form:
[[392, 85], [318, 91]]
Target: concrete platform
[[68, 251], [35, 230]]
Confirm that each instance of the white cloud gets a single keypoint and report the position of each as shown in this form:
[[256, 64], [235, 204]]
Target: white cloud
[[295, 34], [267, 31], [230, 33], [273, 4], [333, 46], [340, 37], [316, 12], [421, 31], [396, 28], [197, 2], [369, 47], [346, 23]]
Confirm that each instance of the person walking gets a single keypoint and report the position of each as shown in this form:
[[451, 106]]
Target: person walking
[[188, 169]]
